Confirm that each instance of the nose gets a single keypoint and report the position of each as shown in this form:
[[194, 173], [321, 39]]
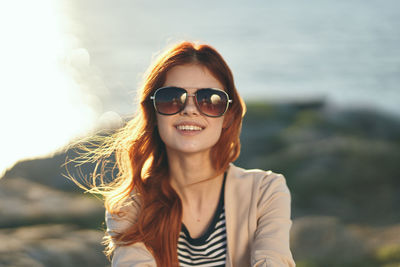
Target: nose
[[190, 107]]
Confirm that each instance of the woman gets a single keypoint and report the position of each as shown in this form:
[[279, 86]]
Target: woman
[[178, 200]]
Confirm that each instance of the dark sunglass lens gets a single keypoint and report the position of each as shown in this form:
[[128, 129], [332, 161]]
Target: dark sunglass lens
[[212, 102], [170, 100]]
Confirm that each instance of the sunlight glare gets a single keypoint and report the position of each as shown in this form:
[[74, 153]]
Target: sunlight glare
[[43, 108]]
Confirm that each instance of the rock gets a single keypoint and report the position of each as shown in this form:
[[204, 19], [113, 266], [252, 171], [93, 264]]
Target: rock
[[47, 171], [51, 245], [323, 240], [23, 202]]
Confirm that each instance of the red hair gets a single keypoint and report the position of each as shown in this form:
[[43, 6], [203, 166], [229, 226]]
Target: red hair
[[142, 160]]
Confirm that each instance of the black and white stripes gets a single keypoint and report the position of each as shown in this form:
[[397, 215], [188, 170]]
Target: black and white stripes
[[208, 252]]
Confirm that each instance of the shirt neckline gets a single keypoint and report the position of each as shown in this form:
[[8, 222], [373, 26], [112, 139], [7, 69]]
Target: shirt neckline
[[201, 239]]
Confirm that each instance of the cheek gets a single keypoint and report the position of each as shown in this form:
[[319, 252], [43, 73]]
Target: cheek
[[161, 126], [218, 128]]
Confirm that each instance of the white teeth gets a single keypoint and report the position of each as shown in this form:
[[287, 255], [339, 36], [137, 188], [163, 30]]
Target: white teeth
[[188, 128]]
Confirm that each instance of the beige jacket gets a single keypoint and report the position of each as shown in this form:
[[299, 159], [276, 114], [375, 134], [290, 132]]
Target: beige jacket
[[257, 213]]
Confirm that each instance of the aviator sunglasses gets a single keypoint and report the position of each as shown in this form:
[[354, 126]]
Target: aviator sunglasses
[[171, 100]]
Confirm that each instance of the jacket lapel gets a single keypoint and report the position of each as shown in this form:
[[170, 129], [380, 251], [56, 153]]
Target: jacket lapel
[[238, 197]]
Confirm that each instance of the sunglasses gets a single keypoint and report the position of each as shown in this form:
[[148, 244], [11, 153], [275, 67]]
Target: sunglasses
[[171, 100]]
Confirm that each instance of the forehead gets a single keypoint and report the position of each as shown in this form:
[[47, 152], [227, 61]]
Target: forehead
[[191, 76]]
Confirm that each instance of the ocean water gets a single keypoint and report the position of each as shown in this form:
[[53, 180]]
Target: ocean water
[[345, 52]]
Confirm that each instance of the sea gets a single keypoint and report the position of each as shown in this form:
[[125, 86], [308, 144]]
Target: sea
[[343, 52]]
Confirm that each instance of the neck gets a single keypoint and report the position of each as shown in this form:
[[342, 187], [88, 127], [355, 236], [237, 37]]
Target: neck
[[191, 175]]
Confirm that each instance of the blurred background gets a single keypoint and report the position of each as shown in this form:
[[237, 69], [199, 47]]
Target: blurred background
[[320, 79]]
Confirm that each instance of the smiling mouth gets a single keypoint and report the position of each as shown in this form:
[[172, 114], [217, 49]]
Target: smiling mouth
[[188, 128]]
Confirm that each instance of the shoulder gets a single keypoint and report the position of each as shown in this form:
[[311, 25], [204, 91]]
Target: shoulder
[[118, 221], [260, 189], [261, 181]]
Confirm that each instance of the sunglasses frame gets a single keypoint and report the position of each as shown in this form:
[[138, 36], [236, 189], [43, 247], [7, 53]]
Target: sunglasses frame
[[153, 97]]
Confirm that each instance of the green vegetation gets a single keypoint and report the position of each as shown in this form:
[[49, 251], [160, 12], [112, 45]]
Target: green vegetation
[[388, 255]]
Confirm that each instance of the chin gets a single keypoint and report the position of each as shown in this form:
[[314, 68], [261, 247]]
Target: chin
[[191, 150]]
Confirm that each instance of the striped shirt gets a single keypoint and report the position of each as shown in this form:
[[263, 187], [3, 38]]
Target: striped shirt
[[208, 249]]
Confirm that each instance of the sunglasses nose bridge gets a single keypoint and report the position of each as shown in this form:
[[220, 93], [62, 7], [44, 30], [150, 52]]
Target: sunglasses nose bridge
[[190, 104]]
